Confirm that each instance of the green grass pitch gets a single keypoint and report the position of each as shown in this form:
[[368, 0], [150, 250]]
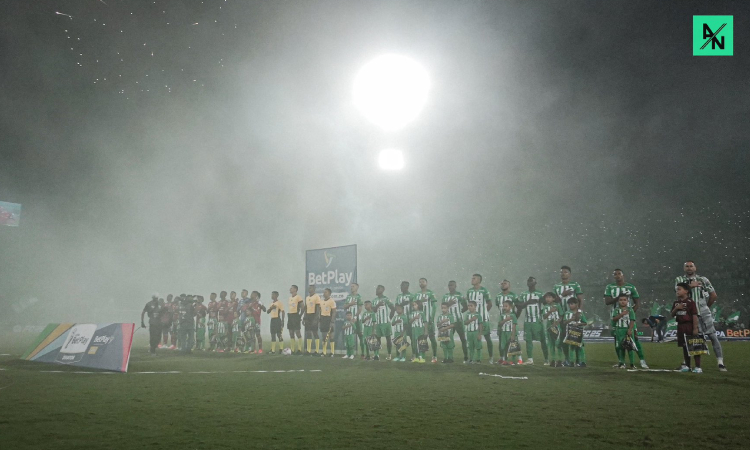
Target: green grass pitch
[[371, 405]]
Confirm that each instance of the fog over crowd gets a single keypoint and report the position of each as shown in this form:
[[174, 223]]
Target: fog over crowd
[[539, 146]]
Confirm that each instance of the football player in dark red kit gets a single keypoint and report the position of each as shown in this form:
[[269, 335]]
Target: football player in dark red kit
[[233, 305], [222, 327], [213, 311], [256, 307]]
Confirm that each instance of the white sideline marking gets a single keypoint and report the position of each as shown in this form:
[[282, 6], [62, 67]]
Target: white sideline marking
[[5, 354], [653, 370], [503, 376]]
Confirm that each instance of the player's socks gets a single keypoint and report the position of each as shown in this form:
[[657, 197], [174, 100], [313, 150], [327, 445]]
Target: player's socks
[[309, 346], [332, 345], [317, 345], [325, 347]]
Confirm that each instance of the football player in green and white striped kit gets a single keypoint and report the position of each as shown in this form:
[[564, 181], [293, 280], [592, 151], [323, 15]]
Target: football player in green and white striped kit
[[704, 296], [574, 316], [507, 331], [566, 289], [457, 306], [623, 324], [383, 312], [533, 329], [353, 304], [474, 324], [506, 294], [445, 323], [483, 300], [405, 299], [417, 320], [429, 306], [551, 315], [398, 325], [369, 321], [611, 293]]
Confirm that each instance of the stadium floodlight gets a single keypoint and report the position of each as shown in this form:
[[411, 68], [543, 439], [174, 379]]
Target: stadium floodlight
[[391, 91], [391, 159]]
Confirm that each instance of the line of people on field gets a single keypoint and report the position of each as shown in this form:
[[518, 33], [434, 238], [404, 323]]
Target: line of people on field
[[415, 320]]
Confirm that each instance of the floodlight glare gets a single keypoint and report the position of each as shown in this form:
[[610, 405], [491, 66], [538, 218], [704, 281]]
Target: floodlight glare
[[391, 159], [391, 91]]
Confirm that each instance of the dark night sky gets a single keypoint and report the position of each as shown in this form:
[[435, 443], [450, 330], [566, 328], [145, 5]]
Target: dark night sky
[[581, 133]]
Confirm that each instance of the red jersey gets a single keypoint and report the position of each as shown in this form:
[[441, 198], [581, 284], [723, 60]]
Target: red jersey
[[200, 310], [213, 309], [685, 315], [233, 304], [256, 307], [223, 310], [165, 316]]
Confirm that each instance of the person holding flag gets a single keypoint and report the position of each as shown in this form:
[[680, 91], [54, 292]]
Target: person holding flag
[[612, 293]]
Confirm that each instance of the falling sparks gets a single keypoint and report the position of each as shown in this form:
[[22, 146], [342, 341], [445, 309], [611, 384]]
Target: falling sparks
[[63, 14]]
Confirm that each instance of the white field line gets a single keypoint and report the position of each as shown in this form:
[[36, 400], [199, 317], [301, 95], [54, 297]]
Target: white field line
[[502, 376]]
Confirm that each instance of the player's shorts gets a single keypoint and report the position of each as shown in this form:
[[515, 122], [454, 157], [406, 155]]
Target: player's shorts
[[293, 322], [486, 328], [533, 331], [458, 326], [311, 322], [682, 330], [383, 329], [367, 331], [276, 326], [619, 333], [358, 327], [325, 324], [430, 329]]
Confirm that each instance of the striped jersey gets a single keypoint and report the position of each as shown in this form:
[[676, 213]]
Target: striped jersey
[[560, 288], [700, 293], [444, 320], [552, 311], [382, 307], [429, 304], [472, 326], [568, 316], [455, 304], [624, 321], [368, 318], [398, 322], [533, 312], [613, 290], [405, 301], [349, 328], [483, 298], [507, 326], [354, 309], [500, 298], [419, 315]]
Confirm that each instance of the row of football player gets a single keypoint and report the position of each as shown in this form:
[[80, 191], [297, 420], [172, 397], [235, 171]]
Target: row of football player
[[528, 302]]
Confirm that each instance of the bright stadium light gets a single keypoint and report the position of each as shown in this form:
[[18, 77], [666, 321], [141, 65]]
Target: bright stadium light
[[391, 91], [391, 159]]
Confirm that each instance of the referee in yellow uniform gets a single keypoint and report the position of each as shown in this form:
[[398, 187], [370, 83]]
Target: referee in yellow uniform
[[294, 319], [327, 312], [311, 320]]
